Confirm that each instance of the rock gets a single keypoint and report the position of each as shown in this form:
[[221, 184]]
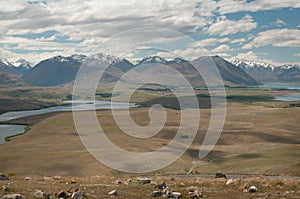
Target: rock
[[3, 177], [113, 193], [161, 185], [129, 180], [195, 194], [73, 190], [28, 179], [230, 181], [118, 182], [41, 194], [77, 195], [73, 181], [13, 196], [181, 184], [219, 174], [143, 181], [176, 195], [5, 188], [57, 177], [156, 194], [62, 194], [171, 194], [252, 189], [246, 186]]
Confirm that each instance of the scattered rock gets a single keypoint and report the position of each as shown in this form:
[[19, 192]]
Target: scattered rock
[[13, 196], [195, 194], [161, 185], [3, 177], [73, 190], [252, 189], [143, 181], [230, 181], [118, 182], [219, 174], [246, 186], [57, 177], [181, 184], [176, 195], [73, 181], [41, 194], [28, 179], [113, 193], [129, 180], [156, 194], [171, 194], [62, 194], [77, 195], [5, 188]]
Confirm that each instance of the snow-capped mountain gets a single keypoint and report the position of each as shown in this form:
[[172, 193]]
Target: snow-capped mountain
[[266, 72], [153, 60], [244, 63], [22, 63], [7, 67], [107, 58]]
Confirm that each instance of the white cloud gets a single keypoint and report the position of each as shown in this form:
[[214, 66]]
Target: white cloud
[[224, 26], [210, 42], [240, 40], [221, 48], [276, 37], [233, 6], [250, 55]]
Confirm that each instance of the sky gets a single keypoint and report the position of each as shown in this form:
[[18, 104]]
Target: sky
[[266, 30]]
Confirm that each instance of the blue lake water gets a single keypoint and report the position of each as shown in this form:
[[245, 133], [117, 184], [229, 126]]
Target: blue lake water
[[288, 98], [9, 130]]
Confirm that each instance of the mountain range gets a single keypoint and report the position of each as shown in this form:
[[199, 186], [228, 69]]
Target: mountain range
[[266, 72], [60, 70]]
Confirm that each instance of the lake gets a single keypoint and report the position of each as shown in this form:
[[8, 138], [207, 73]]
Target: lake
[[288, 98], [9, 130]]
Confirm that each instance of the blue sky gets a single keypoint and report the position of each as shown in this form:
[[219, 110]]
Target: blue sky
[[256, 30]]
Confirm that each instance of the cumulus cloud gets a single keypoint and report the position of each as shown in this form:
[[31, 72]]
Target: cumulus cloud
[[221, 48], [276, 37], [224, 26], [240, 40], [233, 6], [210, 42]]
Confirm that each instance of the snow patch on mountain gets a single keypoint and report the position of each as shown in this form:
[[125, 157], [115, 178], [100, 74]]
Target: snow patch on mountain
[[244, 63]]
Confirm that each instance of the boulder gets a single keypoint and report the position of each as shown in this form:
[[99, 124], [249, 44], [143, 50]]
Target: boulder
[[78, 195], [195, 194], [176, 195], [220, 175], [40, 194], [252, 189], [161, 185], [113, 193], [143, 181], [28, 179], [156, 194], [62, 194], [230, 181], [13, 196], [3, 177]]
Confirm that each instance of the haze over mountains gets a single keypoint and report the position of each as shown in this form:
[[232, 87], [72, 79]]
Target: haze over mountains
[[60, 70]]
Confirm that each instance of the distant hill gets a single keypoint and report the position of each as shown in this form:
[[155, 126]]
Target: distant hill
[[266, 72], [9, 80]]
